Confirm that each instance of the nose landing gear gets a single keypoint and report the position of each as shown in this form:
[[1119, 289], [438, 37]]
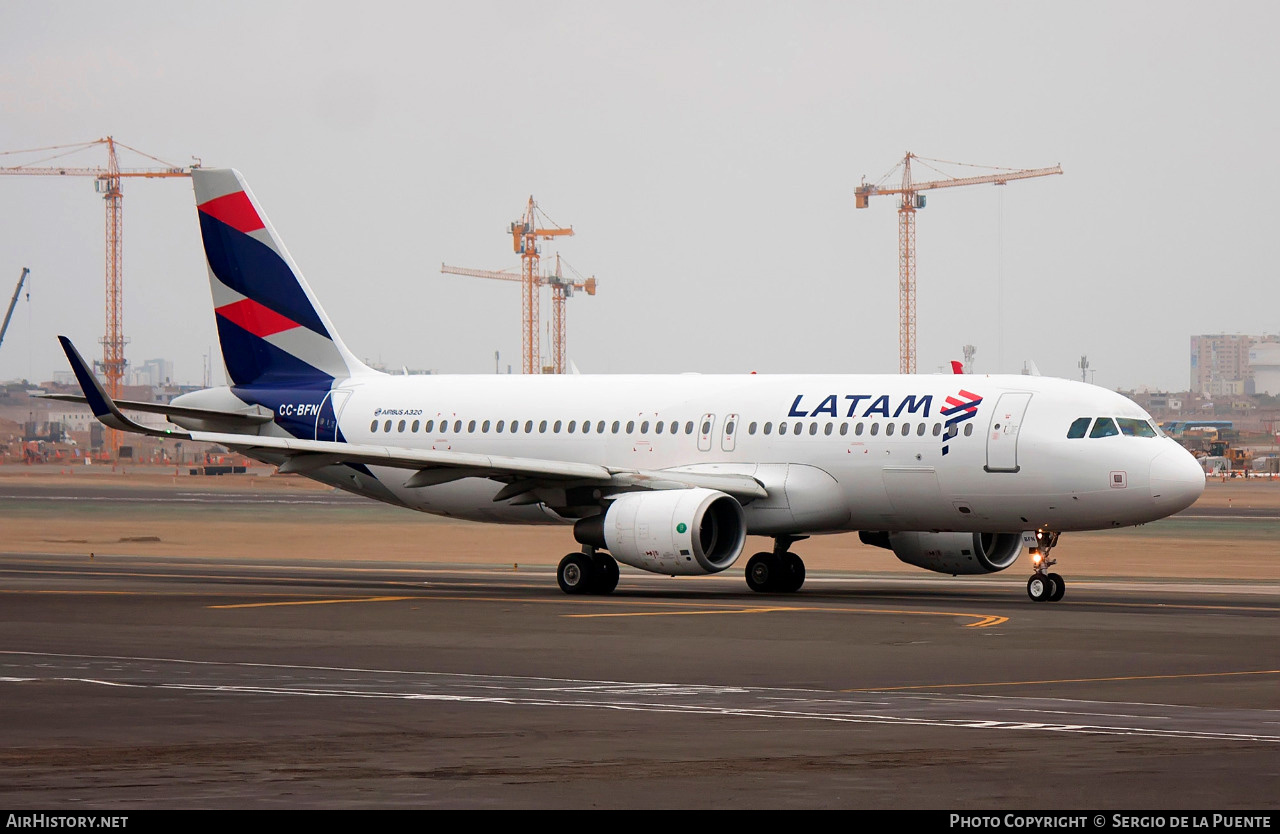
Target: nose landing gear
[[1044, 586]]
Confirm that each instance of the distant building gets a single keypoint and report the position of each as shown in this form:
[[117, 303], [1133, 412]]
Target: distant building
[[1157, 402], [1264, 364], [152, 372], [1220, 365]]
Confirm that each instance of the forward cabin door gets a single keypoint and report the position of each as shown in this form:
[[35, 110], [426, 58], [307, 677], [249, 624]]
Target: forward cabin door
[[1002, 435]]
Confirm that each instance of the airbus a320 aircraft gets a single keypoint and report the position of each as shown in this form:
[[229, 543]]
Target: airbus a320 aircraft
[[956, 474]]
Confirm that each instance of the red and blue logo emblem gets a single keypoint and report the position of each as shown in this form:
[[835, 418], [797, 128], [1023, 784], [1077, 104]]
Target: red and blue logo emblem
[[959, 408]]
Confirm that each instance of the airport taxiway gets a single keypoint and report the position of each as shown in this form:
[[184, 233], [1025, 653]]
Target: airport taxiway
[[178, 682]]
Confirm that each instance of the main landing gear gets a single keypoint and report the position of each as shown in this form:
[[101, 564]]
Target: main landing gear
[[589, 572], [778, 572], [1044, 586]]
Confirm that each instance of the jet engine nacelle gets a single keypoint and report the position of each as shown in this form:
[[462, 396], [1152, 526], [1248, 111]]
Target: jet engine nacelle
[[675, 531], [953, 553]]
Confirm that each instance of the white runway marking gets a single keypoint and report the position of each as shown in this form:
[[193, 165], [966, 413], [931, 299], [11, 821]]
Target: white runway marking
[[907, 710]]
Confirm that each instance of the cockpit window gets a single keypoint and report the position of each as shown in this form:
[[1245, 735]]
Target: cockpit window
[[1135, 428], [1104, 427], [1079, 428]]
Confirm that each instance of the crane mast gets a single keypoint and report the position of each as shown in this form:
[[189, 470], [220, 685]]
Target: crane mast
[[911, 200], [561, 289], [107, 182], [525, 235], [17, 291]]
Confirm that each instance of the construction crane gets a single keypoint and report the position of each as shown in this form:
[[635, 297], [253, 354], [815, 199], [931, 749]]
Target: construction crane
[[912, 200], [525, 235], [561, 289], [107, 183], [17, 291]]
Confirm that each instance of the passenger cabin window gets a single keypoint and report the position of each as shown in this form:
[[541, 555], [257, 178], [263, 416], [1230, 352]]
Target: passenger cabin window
[[1104, 427], [658, 429], [415, 426], [813, 428], [631, 426], [501, 424], [688, 427], [768, 428], [400, 426], [1130, 427], [797, 428], [644, 427], [751, 428], [386, 426], [888, 430], [1079, 428], [373, 426], [600, 427], [968, 430], [556, 427], [471, 427]]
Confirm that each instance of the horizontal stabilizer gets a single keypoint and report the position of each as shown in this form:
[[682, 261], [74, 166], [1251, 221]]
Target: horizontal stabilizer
[[255, 417]]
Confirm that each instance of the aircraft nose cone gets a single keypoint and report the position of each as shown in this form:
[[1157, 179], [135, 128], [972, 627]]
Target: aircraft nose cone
[[1176, 479]]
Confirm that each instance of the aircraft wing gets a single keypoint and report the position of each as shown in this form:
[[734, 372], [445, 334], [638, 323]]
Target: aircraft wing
[[432, 466]]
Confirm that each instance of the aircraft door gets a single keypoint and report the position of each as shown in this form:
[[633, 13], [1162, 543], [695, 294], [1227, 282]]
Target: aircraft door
[[1002, 436], [330, 412], [728, 432], [705, 425]]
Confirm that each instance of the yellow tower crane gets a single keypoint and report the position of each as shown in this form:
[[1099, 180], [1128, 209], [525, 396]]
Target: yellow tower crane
[[525, 235], [912, 200], [107, 183], [561, 289]]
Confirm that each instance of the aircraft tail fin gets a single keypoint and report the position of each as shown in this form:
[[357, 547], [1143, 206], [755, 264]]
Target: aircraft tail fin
[[272, 330]]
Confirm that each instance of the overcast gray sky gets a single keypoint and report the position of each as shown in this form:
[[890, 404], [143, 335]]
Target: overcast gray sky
[[706, 155]]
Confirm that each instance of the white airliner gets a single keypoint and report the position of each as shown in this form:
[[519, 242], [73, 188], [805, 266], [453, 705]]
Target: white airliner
[[956, 474]]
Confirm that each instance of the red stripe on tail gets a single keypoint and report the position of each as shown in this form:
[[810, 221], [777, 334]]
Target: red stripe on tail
[[235, 210], [253, 317]]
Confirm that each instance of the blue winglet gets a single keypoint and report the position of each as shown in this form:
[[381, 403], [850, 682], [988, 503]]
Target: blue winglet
[[99, 402]]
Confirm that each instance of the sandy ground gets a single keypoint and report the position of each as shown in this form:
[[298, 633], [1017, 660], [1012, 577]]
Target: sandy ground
[[1239, 548]]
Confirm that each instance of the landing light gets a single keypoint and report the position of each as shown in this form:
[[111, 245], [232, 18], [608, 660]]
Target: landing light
[[1036, 556]]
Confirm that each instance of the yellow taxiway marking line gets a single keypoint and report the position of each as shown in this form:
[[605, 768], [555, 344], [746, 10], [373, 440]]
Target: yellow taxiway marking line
[[1066, 680], [311, 602], [981, 620]]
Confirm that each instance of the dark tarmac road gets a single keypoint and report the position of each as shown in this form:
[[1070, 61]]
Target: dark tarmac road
[[153, 682]]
